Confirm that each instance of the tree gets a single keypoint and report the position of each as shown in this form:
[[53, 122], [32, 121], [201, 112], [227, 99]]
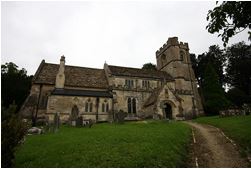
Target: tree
[[213, 92], [194, 62], [13, 131], [15, 84], [230, 18], [149, 66], [238, 69], [238, 97], [214, 56]]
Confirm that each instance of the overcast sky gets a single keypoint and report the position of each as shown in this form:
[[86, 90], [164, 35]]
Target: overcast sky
[[125, 33]]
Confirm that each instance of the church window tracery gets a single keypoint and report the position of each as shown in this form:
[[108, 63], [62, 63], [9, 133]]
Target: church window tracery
[[129, 83], [131, 105], [88, 106], [145, 84], [105, 106]]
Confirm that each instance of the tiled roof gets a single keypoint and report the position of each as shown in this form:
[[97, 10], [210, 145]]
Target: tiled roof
[[135, 72], [74, 76], [153, 97], [74, 92]]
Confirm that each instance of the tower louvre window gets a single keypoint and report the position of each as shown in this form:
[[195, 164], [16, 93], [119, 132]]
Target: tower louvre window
[[182, 55]]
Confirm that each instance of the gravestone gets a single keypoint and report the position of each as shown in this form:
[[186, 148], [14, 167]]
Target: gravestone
[[56, 122], [79, 121], [74, 116], [120, 116]]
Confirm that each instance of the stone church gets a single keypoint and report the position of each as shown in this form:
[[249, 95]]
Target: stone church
[[98, 94]]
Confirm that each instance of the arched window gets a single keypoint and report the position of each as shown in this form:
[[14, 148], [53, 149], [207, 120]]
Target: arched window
[[86, 106], [103, 107], [134, 106], [163, 57], [129, 105], [107, 107], [90, 107]]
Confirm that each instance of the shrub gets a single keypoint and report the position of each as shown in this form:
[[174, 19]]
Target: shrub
[[13, 132]]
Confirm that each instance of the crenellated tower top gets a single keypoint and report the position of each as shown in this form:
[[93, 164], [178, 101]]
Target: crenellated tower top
[[173, 41]]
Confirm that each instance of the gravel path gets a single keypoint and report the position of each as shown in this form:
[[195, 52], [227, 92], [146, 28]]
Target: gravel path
[[210, 148]]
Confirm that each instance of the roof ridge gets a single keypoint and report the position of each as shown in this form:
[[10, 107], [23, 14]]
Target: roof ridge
[[136, 68], [75, 66]]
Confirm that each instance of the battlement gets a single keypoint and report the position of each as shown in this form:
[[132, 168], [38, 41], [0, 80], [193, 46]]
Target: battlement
[[173, 41], [184, 45]]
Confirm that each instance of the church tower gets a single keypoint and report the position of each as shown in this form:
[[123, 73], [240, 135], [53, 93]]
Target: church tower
[[173, 57]]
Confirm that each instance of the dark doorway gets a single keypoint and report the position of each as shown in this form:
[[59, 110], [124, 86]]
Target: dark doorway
[[168, 111]]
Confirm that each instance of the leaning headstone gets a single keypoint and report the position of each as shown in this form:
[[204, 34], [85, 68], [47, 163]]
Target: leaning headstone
[[35, 130], [73, 123], [79, 121], [121, 116], [246, 109], [56, 122], [90, 123]]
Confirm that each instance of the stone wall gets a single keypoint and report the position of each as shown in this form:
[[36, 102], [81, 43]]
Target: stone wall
[[36, 101], [64, 105], [120, 81], [123, 95]]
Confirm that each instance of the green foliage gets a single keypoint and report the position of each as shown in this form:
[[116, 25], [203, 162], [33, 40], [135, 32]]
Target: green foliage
[[236, 61], [13, 131], [238, 97], [238, 69], [238, 128], [134, 144], [149, 66], [15, 84], [230, 18], [213, 92], [214, 56], [7, 113]]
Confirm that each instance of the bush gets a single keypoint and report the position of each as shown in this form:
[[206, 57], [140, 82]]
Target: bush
[[13, 132]]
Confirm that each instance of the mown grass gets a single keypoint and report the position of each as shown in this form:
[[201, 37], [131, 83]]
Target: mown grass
[[152, 144], [237, 127]]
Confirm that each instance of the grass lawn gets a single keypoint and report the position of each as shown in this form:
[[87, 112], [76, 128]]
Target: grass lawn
[[133, 144], [238, 128]]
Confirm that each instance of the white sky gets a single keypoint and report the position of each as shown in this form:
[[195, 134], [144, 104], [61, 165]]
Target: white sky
[[124, 33]]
